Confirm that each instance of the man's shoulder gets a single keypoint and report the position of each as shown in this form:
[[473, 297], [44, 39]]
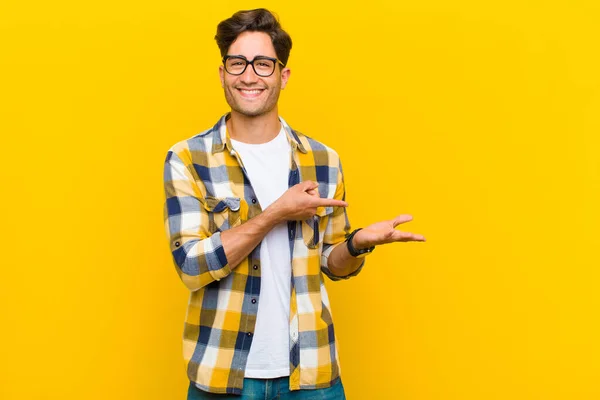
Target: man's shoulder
[[201, 142], [313, 145]]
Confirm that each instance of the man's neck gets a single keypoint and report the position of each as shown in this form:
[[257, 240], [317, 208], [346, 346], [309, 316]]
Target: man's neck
[[254, 130]]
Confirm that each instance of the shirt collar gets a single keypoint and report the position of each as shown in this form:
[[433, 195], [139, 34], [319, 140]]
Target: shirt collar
[[221, 137]]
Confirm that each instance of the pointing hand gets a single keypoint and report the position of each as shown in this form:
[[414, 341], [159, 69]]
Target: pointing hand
[[300, 202]]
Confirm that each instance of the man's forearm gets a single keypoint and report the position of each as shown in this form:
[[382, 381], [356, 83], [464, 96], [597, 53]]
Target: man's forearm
[[341, 263], [238, 242]]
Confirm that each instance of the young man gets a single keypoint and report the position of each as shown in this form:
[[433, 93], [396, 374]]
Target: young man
[[255, 215]]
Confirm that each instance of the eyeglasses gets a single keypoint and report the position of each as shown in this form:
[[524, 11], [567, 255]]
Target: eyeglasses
[[262, 65]]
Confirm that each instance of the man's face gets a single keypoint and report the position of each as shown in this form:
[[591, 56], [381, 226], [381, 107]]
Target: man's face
[[248, 93]]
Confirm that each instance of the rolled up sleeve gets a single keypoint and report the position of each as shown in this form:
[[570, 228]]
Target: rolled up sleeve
[[198, 255], [336, 231]]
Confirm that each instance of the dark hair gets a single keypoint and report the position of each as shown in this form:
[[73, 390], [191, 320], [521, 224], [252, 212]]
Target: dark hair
[[259, 20]]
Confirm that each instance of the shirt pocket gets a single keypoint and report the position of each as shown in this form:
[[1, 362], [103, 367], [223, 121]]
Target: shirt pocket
[[223, 213], [313, 228]]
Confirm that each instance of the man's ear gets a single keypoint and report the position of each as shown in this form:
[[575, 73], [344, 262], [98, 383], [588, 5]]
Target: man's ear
[[222, 75], [285, 75]]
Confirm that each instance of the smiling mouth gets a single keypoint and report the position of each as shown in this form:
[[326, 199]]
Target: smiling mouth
[[250, 93]]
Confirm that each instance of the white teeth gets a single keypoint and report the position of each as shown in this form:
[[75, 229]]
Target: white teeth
[[251, 91]]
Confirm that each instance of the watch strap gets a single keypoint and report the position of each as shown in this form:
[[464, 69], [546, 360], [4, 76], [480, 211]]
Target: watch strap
[[352, 250]]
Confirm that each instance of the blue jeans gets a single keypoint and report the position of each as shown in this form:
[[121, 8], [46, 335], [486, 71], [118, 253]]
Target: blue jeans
[[272, 389]]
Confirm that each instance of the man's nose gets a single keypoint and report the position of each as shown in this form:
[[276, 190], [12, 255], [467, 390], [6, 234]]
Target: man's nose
[[249, 76]]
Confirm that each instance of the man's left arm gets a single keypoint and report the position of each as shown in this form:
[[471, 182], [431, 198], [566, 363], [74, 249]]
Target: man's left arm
[[336, 260]]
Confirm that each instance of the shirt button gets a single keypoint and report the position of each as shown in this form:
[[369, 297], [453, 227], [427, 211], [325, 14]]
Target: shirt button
[[249, 333], [255, 266], [253, 301], [177, 244], [253, 201]]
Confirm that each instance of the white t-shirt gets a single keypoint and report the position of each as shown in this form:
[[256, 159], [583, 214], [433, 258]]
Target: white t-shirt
[[267, 166]]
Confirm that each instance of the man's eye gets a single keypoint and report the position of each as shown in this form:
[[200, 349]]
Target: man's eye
[[236, 63], [263, 64]]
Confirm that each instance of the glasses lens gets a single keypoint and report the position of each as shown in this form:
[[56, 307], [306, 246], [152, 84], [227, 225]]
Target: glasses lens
[[235, 65], [264, 67]]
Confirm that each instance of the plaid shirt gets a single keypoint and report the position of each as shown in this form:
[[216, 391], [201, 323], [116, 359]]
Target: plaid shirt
[[207, 191]]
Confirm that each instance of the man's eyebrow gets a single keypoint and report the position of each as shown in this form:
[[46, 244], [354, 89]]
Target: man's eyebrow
[[258, 55]]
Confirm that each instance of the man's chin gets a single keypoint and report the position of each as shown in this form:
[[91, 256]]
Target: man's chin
[[250, 112], [247, 113]]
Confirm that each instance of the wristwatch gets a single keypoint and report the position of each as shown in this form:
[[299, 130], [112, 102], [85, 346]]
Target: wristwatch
[[357, 253]]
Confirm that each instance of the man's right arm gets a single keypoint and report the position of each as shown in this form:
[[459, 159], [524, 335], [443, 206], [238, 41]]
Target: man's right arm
[[202, 257]]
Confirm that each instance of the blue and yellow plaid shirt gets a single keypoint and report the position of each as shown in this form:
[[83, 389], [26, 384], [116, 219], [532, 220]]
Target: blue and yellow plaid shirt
[[207, 191]]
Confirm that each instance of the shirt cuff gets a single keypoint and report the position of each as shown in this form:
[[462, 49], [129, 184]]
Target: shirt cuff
[[216, 260], [325, 266]]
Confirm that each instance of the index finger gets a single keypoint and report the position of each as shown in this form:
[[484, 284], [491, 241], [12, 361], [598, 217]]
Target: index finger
[[330, 202]]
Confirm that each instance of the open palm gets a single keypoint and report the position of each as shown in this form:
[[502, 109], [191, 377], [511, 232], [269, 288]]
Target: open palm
[[385, 232]]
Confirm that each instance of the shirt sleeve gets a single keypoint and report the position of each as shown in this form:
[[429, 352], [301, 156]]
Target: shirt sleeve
[[198, 255], [336, 231]]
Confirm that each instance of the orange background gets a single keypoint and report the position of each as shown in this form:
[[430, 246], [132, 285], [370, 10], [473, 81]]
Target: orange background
[[480, 119]]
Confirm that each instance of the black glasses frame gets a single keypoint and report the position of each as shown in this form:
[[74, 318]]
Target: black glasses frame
[[251, 62]]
